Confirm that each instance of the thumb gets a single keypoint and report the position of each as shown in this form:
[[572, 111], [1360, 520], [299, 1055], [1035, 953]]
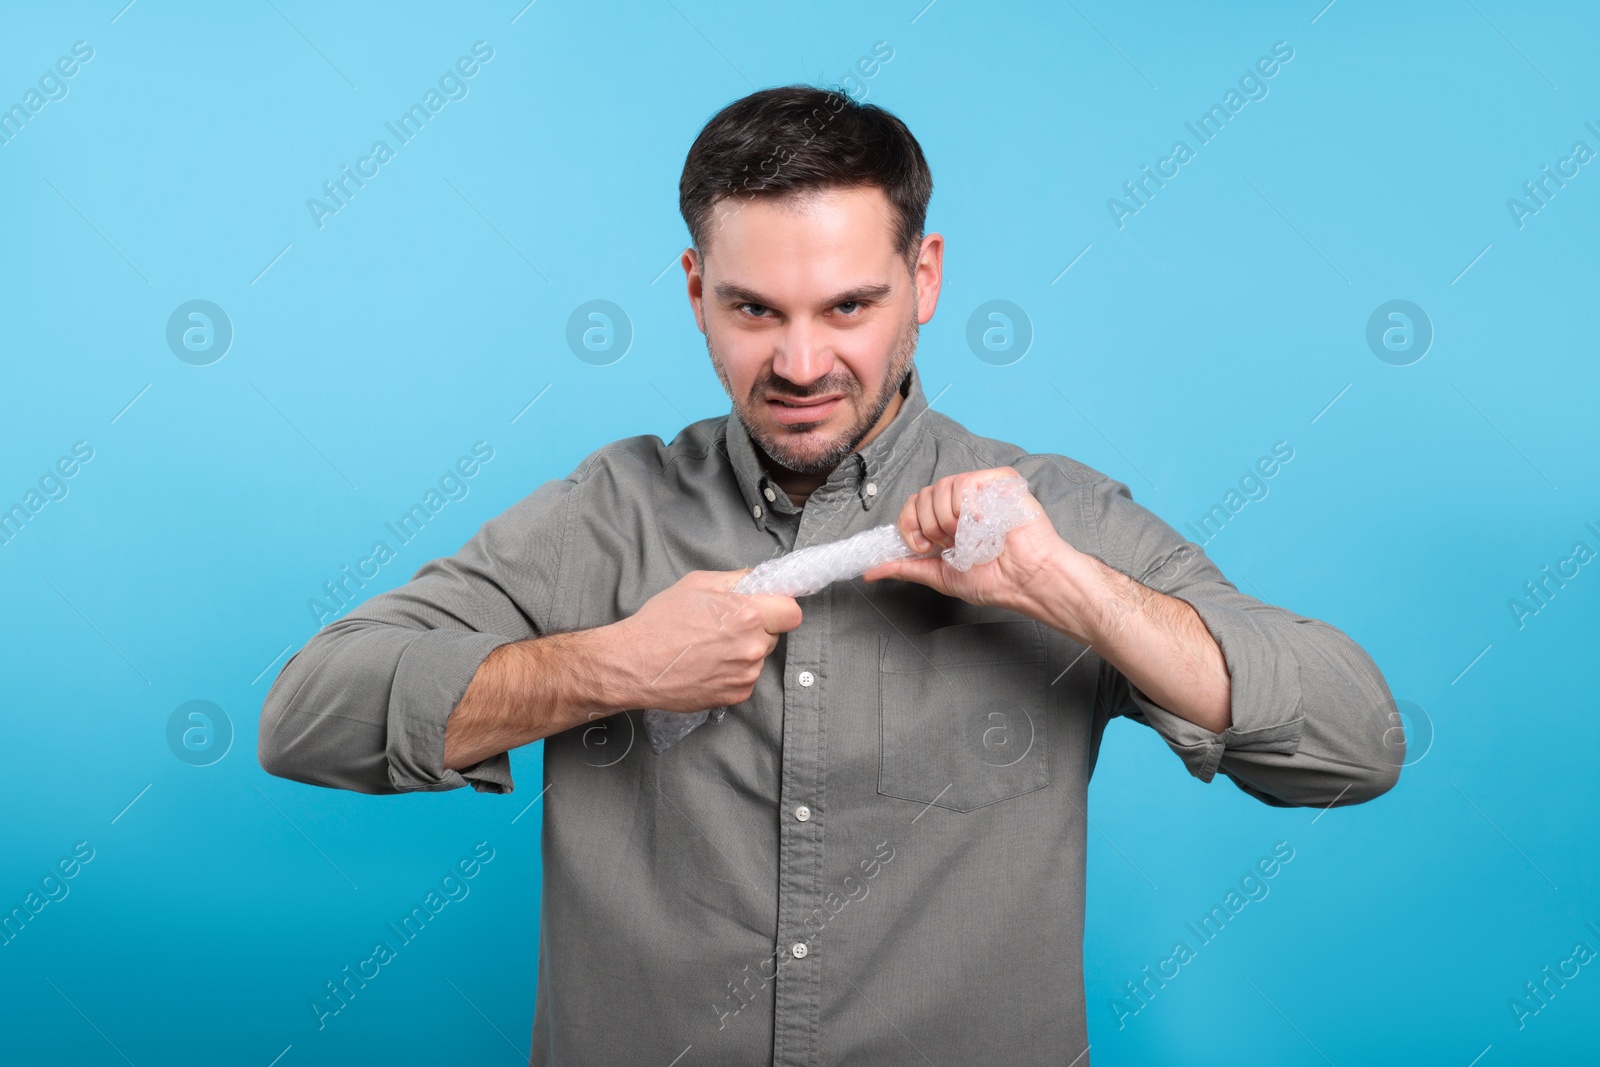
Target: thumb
[[924, 571], [883, 570]]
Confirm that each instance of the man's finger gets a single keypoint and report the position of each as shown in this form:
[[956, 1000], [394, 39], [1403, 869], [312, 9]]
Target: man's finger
[[779, 614], [945, 506], [925, 571], [910, 528], [882, 570], [926, 519]]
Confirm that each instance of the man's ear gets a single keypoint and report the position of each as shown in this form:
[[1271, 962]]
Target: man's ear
[[696, 285], [929, 276]]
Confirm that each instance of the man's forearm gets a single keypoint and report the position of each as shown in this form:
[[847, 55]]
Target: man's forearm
[[528, 690], [1158, 642]]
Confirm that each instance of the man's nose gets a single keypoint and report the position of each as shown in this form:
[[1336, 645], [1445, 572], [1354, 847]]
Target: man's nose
[[804, 355]]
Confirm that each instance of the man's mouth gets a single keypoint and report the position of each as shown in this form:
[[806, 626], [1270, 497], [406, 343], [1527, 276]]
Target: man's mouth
[[792, 411]]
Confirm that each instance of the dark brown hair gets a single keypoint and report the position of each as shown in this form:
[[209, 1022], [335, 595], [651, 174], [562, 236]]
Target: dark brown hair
[[797, 139]]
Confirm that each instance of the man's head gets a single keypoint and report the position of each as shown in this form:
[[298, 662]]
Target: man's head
[[809, 273]]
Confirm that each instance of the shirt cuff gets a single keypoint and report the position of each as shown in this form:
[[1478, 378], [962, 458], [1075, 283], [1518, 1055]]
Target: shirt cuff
[[432, 676], [1266, 701]]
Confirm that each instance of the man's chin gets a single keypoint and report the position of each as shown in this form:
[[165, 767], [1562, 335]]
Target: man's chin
[[817, 460], [805, 448]]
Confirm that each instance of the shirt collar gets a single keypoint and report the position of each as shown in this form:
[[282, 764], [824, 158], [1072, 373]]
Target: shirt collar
[[867, 472]]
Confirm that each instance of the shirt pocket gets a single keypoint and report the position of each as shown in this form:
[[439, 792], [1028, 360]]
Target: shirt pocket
[[961, 714]]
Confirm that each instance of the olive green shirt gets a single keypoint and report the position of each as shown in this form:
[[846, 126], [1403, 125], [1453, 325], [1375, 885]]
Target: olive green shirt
[[879, 857]]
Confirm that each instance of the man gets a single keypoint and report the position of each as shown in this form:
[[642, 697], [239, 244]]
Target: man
[[877, 856]]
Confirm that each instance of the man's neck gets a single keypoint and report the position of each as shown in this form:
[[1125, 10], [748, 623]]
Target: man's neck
[[799, 487]]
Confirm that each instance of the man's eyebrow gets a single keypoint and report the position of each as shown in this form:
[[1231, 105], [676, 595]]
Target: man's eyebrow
[[730, 291]]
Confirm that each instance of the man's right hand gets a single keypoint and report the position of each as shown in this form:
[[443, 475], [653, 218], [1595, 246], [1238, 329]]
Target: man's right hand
[[697, 644]]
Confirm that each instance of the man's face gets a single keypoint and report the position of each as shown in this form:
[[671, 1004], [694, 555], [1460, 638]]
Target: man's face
[[811, 317]]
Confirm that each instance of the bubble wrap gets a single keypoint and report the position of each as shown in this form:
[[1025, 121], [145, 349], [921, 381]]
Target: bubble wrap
[[988, 513]]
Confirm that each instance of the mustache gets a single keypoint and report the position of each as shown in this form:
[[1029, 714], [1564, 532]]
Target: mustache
[[776, 387]]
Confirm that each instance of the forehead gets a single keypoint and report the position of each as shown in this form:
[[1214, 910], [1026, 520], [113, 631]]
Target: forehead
[[815, 234]]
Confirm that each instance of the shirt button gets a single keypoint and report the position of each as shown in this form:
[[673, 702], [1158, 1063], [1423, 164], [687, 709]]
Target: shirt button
[[806, 678], [802, 813], [756, 511], [872, 488], [799, 950], [769, 494]]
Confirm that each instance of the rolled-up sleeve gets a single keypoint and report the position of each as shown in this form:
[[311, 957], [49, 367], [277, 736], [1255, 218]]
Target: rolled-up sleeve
[[363, 706], [1313, 720]]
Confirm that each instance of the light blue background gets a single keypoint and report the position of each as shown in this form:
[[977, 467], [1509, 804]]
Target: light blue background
[[369, 354]]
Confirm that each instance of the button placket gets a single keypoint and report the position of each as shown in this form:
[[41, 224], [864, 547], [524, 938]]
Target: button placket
[[797, 993]]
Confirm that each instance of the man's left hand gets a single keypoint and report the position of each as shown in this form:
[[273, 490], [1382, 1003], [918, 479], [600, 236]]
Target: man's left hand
[[928, 521]]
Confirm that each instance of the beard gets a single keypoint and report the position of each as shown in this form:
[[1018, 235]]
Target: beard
[[795, 447]]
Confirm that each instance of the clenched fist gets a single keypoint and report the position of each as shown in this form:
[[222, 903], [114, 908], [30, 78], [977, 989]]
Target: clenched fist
[[698, 645]]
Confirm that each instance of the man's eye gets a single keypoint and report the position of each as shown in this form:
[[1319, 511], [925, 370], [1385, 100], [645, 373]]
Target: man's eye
[[848, 305], [757, 312]]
